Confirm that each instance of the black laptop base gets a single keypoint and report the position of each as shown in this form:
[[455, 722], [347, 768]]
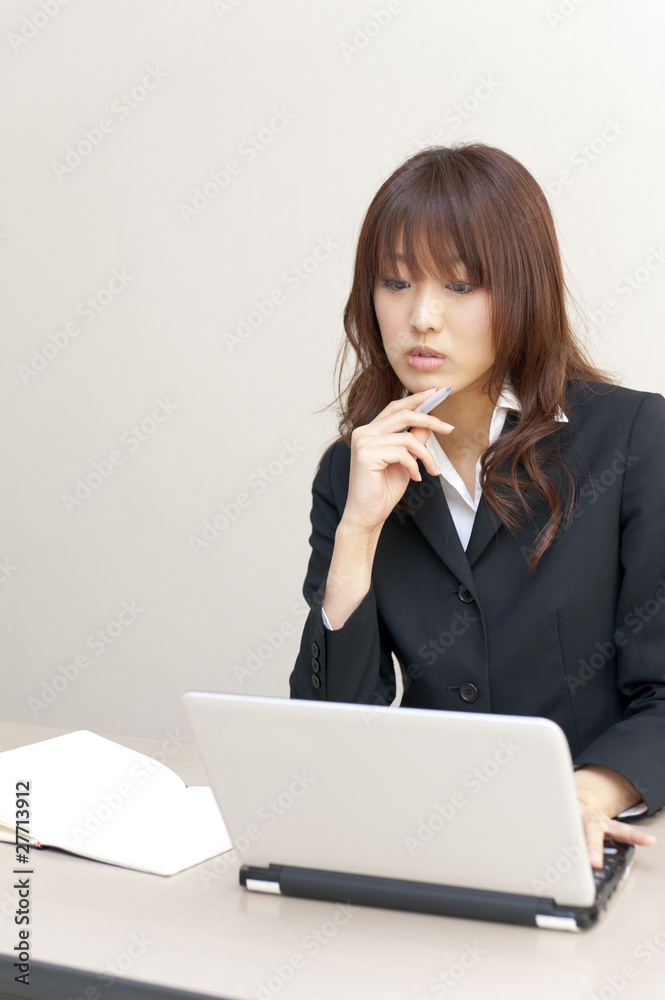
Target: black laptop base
[[442, 900]]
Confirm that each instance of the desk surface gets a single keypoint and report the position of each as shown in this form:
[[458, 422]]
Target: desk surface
[[200, 931]]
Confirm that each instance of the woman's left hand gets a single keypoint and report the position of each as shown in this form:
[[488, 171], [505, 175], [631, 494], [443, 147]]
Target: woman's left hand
[[602, 793]]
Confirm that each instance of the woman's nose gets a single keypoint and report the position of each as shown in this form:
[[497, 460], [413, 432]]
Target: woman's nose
[[427, 312]]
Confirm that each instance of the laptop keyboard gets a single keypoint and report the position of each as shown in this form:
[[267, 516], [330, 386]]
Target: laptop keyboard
[[616, 859]]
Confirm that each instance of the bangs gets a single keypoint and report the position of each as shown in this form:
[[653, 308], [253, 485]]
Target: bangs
[[431, 226]]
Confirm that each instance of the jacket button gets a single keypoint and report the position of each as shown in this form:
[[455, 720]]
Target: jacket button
[[465, 594], [468, 692], [315, 649], [316, 681], [316, 666]]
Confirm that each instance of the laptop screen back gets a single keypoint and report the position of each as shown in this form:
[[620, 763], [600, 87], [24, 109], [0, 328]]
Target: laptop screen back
[[466, 799]]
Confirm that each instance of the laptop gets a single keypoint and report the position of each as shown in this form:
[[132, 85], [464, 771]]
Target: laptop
[[452, 813]]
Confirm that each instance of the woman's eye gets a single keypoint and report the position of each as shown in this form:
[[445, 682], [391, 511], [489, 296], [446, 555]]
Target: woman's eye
[[394, 284], [461, 287]]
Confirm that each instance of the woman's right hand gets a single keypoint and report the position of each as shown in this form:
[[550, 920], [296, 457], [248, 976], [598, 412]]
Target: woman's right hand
[[384, 458]]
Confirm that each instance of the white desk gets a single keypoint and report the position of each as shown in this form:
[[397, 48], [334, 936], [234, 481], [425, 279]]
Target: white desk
[[199, 931]]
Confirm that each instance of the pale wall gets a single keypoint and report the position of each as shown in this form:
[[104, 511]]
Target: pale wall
[[540, 85]]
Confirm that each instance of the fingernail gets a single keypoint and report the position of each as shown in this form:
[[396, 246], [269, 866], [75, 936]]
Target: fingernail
[[596, 859]]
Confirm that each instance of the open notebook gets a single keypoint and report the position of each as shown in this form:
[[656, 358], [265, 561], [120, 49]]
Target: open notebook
[[93, 797]]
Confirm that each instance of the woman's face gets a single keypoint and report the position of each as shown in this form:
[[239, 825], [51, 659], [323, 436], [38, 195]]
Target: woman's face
[[435, 332]]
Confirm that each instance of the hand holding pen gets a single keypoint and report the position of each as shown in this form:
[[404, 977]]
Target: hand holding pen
[[384, 456]]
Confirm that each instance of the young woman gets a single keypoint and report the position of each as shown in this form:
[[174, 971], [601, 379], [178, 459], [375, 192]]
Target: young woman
[[508, 548]]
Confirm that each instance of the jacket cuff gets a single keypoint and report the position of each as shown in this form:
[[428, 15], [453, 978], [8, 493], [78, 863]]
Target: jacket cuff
[[352, 649], [616, 749]]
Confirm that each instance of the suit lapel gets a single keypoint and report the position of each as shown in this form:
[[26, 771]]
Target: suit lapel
[[485, 526], [434, 520], [430, 512], [486, 522]]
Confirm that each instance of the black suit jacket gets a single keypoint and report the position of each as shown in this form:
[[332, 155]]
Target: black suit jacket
[[581, 641]]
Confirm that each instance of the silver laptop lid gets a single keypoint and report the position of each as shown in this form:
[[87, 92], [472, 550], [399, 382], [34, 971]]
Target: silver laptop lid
[[467, 799]]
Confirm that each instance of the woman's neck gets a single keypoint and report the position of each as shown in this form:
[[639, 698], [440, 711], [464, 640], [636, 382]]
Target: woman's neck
[[470, 413]]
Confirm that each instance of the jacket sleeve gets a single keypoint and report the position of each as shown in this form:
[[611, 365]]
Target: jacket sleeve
[[352, 663], [635, 746]]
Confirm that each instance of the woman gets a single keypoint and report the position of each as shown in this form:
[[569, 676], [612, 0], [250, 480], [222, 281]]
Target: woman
[[508, 548]]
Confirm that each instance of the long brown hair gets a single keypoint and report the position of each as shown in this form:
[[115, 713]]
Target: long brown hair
[[476, 204]]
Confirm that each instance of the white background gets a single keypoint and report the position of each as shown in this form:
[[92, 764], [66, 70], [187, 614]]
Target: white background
[[563, 86]]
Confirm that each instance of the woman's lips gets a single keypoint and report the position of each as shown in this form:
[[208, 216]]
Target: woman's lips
[[424, 359]]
